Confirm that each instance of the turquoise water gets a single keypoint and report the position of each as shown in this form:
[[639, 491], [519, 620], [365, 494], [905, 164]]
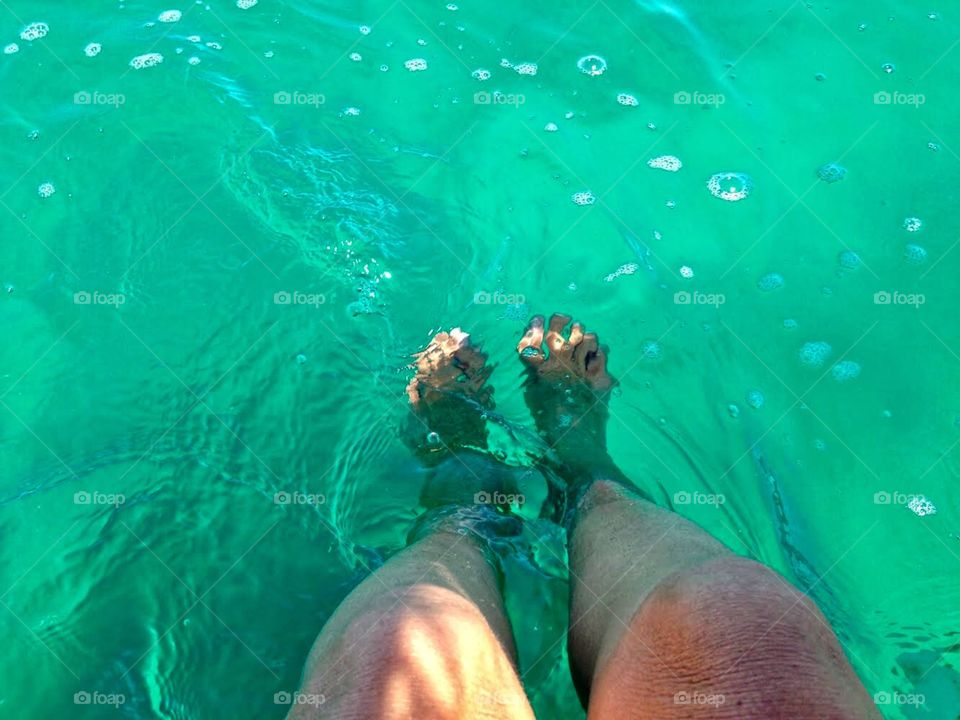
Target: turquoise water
[[148, 423]]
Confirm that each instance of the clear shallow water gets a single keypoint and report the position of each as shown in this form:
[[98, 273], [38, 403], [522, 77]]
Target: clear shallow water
[[199, 398]]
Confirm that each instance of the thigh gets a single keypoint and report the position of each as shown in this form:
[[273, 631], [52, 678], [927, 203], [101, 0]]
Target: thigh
[[728, 639]]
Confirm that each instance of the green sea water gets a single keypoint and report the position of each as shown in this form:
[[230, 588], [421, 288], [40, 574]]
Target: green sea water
[[245, 243]]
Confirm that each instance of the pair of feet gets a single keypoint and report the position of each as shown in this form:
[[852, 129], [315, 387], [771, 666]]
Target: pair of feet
[[567, 387]]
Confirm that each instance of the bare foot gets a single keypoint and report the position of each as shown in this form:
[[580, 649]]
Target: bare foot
[[448, 393], [567, 391]]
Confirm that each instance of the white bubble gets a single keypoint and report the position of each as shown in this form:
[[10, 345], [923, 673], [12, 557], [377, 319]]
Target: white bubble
[[504, 63], [755, 399], [365, 29], [193, 38], [592, 65], [351, 111], [170, 16], [246, 4], [730, 186], [92, 50], [193, 60], [525, 69], [34, 31], [46, 190], [550, 127], [214, 46], [384, 68], [627, 100], [356, 57], [686, 271], [625, 269], [669, 163], [845, 370], [452, 7], [481, 74], [145, 61], [912, 224], [921, 507], [415, 65], [814, 354], [583, 198], [11, 49], [421, 42], [888, 67]]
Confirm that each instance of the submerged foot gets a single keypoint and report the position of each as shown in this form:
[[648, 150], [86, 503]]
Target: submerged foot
[[449, 395]]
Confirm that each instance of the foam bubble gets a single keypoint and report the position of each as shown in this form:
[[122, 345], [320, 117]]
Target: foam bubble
[[730, 186], [888, 67], [415, 65], [669, 163], [914, 254], [525, 69], [814, 354], [92, 50], [651, 350], [452, 7], [365, 29], [481, 74], [625, 269], [627, 100], [831, 172], [849, 260], [755, 399], [770, 282], [504, 63], [46, 190], [592, 65], [921, 507], [686, 271], [583, 198], [384, 68], [34, 31], [170, 16], [356, 57], [246, 4], [193, 38], [193, 60], [350, 112], [551, 127], [733, 410], [11, 49], [845, 370], [214, 46], [790, 324], [145, 61], [912, 224]]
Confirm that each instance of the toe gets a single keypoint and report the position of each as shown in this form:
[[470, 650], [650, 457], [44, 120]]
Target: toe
[[585, 350], [530, 346], [597, 370], [576, 334], [555, 339]]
